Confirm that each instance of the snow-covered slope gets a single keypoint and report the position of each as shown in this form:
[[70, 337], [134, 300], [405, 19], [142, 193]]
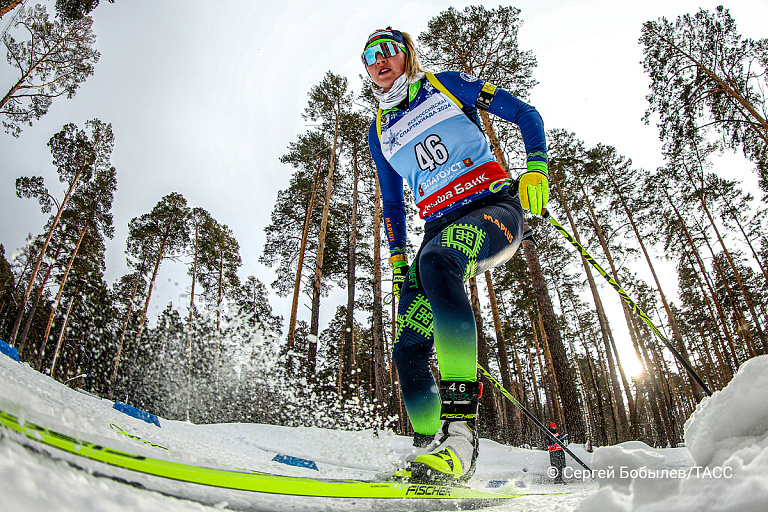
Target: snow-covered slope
[[32, 482], [727, 439]]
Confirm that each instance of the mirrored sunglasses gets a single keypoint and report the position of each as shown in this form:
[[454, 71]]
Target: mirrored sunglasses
[[385, 48]]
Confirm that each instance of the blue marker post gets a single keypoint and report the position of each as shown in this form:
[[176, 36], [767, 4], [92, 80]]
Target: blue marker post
[[9, 351], [136, 413]]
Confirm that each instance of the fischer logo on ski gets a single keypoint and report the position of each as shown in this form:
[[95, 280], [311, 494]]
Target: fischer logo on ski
[[428, 490]]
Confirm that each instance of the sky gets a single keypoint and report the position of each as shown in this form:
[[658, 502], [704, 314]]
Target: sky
[[203, 101]]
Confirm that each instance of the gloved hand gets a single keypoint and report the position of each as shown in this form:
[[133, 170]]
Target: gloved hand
[[534, 190], [399, 273]]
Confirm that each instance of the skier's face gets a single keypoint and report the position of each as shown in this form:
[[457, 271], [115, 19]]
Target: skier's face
[[386, 70]]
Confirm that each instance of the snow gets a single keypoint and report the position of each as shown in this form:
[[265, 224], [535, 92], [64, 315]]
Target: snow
[[724, 466]]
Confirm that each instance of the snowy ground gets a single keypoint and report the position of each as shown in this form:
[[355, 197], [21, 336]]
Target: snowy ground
[[724, 468]]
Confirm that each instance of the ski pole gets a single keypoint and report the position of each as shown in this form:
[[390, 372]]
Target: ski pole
[[637, 309], [530, 416]]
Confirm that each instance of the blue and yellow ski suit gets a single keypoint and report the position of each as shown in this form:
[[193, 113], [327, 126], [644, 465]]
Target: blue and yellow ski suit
[[433, 141]]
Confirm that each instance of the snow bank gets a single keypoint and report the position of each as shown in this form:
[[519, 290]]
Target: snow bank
[[727, 438]]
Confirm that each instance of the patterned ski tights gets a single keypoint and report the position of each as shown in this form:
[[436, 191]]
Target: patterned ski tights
[[434, 309]]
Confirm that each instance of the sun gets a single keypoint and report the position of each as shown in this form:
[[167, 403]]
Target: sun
[[632, 365]]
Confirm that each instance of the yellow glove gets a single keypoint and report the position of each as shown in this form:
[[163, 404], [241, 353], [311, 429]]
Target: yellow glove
[[534, 190]]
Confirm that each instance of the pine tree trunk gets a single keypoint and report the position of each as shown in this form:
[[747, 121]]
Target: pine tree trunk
[[188, 387], [703, 272], [30, 318], [348, 355], [757, 259], [149, 294], [501, 346], [725, 370], [192, 290], [663, 396], [519, 386], [12, 4], [534, 383], [599, 417], [219, 301], [558, 410], [395, 379], [568, 394], [744, 291], [625, 307], [605, 330], [489, 395], [314, 327], [493, 141], [120, 344], [742, 328], [52, 370], [28, 324], [377, 320], [605, 392], [580, 379], [548, 379], [57, 300], [143, 319], [299, 270]]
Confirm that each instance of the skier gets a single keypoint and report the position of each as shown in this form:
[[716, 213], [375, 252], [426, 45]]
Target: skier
[[556, 454], [428, 133]]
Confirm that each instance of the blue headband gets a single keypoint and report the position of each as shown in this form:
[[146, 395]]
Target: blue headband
[[388, 34]]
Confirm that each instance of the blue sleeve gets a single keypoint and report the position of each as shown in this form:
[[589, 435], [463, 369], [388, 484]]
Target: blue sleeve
[[393, 201], [505, 106]]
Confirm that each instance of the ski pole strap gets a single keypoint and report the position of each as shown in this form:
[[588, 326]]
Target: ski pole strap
[[500, 184], [528, 235]]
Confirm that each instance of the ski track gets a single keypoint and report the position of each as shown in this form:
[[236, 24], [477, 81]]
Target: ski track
[[33, 482]]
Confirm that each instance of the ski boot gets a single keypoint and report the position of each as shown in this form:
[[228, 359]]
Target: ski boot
[[453, 453], [422, 444]]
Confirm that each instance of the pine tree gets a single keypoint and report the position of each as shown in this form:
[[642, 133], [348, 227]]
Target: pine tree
[[91, 213], [566, 155], [291, 234], [253, 300], [482, 43], [354, 129], [705, 77], [605, 167], [55, 59], [77, 158], [218, 260], [328, 103], [154, 237]]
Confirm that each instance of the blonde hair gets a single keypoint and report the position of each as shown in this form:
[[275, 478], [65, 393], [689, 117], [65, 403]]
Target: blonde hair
[[412, 64]]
